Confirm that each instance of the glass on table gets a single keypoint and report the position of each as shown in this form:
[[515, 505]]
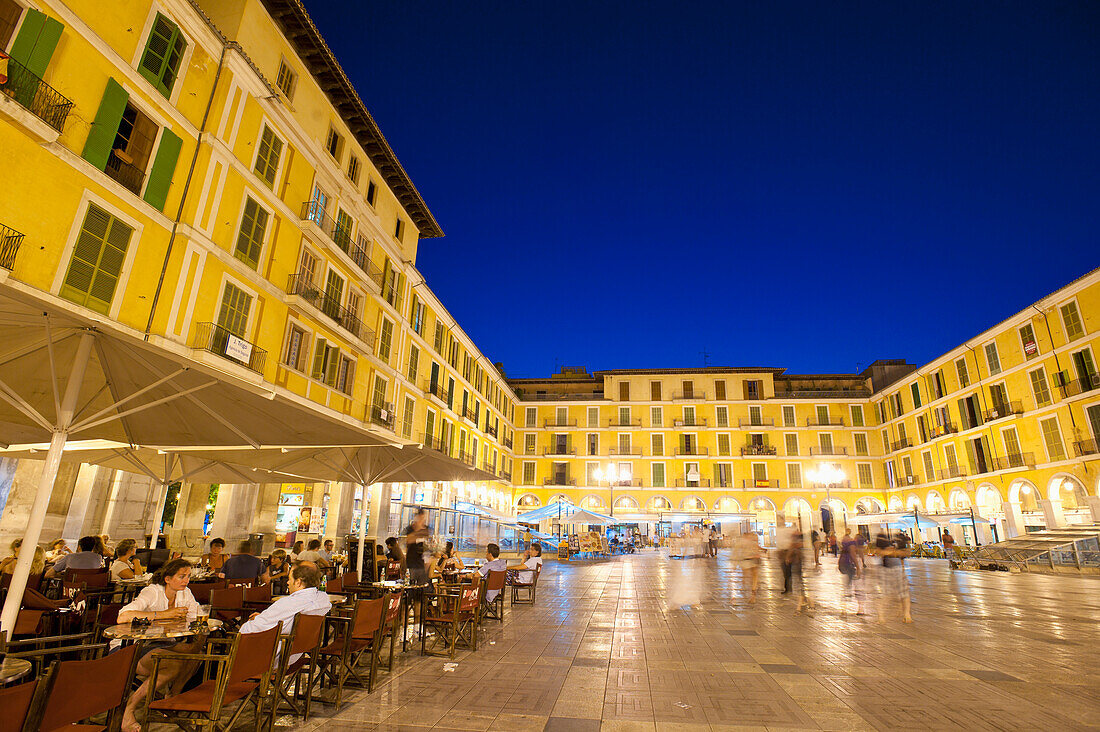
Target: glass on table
[[204, 614]]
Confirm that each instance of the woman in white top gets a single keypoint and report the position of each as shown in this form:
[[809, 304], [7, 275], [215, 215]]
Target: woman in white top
[[126, 565], [526, 572], [166, 600], [748, 553]]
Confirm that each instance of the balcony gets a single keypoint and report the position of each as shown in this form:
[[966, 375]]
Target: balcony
[[507, 442], [627, 423], [692, 451], [824, 394], [559, 423], [36, 96], [624, 451], [10, 239], [357, 249], [382, 414], [685, 483], [432, 442], [951, 472], [436, 389], [125, 172], [1079, 386], [564, 451], [752, 484], [489, 467], [818, 450], [301, 286], [696, 422], [490, 430], [467, 457], [216, 339], [689, 396], [627, 483], [901, 444], [830, 422], [1008, 462], [469, 414], [505, 475], [1002, 410], [563, 480], [1086, 447], [760, 422], [940, 430], [757, 450]]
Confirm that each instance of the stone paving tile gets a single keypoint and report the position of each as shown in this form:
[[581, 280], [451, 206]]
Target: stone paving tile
[[603, 651]]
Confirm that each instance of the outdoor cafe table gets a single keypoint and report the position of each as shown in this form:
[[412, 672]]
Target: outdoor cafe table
[[157, 631], [405, 589], [13, 669]]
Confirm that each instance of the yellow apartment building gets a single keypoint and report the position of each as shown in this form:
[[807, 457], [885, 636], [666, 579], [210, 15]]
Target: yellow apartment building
[[203, 173]]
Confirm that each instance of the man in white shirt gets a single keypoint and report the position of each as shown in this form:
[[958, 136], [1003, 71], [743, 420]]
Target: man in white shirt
[[86, 557], [525, 573], [493, 563], [305, 597]]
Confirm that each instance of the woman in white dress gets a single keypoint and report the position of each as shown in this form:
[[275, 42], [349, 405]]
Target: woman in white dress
[[749, 552]]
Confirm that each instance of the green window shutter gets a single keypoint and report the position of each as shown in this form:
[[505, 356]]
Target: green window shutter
[[267, 158], [97, 260], [236, 304], [250, 240], [102, 135], [36, 42], [163, 52], [319, 359], [332, 359], [164, 165]]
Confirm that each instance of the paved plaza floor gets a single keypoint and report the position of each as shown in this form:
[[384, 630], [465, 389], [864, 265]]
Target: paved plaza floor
[[602, 650]]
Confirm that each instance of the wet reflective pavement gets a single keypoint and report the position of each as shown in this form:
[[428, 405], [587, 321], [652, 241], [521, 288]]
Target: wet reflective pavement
[[602, 650]]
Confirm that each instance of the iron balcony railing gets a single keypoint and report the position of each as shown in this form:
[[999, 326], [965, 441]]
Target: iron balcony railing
[[1020, 460], [752, 483], [615, 422], [685, 483], [692, 450], [505, 475], [818, 450], [756, 422], [436, 389], [382, 414], [216, 339], [627, 483], [10, 239], [507, 442], [469, 414], [948, 473], [433, 442], [488, 467], [39, 98], [301, 286], [467, 457], [559, 480], [490, 430], [130, 176], [823, 394], [696, 422], [559, 423], [559, 451], [1086, 447], [757, 450], [357, 248], [901, 444], [1004, 409], [624, 451], [830, 422], [1079, 386], [687, 396], [945, 429]]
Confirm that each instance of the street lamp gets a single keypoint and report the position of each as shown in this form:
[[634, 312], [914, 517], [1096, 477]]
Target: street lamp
[[827, 474], [612, 475]]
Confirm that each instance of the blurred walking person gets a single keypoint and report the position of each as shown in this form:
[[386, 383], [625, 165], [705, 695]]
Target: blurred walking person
[[784, 535], [748, 553], [793, 561], [851, 566], [893, 583]]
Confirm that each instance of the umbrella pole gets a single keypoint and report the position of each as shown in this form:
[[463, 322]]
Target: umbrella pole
[[155, 520], [362, 528], [37, 515]]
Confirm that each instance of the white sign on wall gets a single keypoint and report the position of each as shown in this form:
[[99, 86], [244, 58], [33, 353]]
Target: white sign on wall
[[238, 348]]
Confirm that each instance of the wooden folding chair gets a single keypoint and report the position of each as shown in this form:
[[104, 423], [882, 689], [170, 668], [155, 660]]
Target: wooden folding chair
[[393, 570], [257, 598], [243, 677], [304, 642], [227, 605], [16, 702], [391, 621], [43, 650], [494, 608], [530, 587], [202, 590], [349, 578], [454, 621], [74, 691], [335, 586], [361, 634], [248, 582]]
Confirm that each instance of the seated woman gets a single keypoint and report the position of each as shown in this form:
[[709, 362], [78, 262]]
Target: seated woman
[[525, 573], [126, 566], [215, 558], [448, 561], [38, 563], [167, 599], [298, 548], [276, 572], [394, 554], [58, 548]]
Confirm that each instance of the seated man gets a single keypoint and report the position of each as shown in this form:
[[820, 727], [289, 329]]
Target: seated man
[[242, 565], [326, 554], [86, 557], [525, 573], [305, 597], [493, 563], [313, 554]]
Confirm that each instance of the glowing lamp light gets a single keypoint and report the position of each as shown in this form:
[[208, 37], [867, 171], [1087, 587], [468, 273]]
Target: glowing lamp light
[[1026, 490]]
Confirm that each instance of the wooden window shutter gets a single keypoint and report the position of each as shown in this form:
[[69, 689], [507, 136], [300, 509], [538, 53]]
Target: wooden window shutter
[[319, 359], [267, 158], [164, 165], [36, 42], [163, 53], [250, 240], [236, 304], [97, 148], [97, 260]]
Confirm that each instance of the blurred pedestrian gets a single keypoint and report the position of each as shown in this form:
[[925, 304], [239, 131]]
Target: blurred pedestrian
[[832, 543], [850, 565], [816, 539], [794, 554], [784, 536], [748, 553], [893, 583]]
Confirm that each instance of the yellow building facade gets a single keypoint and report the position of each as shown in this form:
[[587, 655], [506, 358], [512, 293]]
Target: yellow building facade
[[204, 172]]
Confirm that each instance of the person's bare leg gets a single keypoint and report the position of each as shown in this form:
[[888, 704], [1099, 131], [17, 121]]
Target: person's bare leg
[[171, 672], [905, 616]]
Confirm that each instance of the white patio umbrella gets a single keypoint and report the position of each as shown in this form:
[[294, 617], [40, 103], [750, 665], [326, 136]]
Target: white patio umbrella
[[587, 517], [65, 374]]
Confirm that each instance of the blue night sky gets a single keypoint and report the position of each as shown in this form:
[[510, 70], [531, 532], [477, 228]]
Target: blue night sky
[[801, 184]]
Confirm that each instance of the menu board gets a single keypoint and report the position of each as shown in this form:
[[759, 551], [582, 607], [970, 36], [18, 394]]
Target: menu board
[[563, 551]]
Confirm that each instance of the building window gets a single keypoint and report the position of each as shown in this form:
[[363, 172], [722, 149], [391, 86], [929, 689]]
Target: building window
[[1039, 387], [624, 391], [960, 368], [325, 362], [860, 439], [10, 13], [656, 417], [97, 260], [722, 414], [414, 363], [531, 418], [915, 389], [723, 444], [863, 471], [286, 80], [1027, 338], [788, 415], [407, 419], [529, 444], [250, 238], [267, 157], [418, 316], [385, 337], [334, 144], [236, 304], [657, 445], [1012, 445], [794, 475], [1052, 438], [372, 192], [297, 346], [791, 441], [353, 169], [753, 388], [929, 472], [1072, 321], [160, 63], [528, 473], [992, 358], [655, 391], [857, 415], [593, 416], [658, 475], [720, 389], [345, 375], [399, 229]]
